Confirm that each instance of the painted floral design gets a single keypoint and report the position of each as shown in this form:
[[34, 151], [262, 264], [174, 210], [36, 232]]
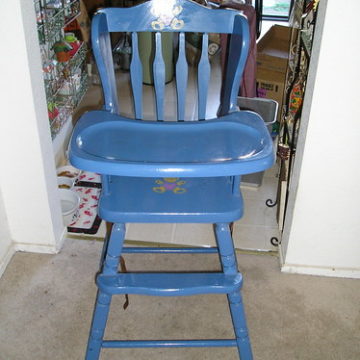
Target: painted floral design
[[169, 184], [165, 12]]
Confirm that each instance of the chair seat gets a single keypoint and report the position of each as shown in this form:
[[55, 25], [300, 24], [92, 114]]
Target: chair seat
[[235, 144], [134, 199]]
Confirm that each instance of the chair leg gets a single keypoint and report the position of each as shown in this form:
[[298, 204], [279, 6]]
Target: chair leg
[[110, 266], [229, 265], [100, 316]]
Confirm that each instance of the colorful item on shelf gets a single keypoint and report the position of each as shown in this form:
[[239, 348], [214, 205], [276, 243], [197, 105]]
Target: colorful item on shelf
[[283, 151], [71, 85], [71, 10], [296, 97], [70, 37], [66, 89], [75, 44], [63, 56], [62, 50], [39, 16], [48, 70], [53, 110], [65, 82], [76, 78]]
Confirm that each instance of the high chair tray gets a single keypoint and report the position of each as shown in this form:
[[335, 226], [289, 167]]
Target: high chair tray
[[235, 144]]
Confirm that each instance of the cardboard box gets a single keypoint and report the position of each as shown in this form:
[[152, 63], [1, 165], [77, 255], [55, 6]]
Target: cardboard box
[[271, 85], [273, 49], [272, 62]]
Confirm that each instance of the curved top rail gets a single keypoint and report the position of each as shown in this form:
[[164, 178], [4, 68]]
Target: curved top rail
[[170, 15]]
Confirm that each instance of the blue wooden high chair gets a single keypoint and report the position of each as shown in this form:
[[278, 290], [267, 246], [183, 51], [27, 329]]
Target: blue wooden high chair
[[170, 171]]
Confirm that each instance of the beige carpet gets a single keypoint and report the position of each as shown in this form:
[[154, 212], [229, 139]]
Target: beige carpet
[[46, 304]]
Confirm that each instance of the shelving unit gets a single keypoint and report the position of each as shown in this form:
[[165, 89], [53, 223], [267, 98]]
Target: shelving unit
[[302, 23], [65, 81]]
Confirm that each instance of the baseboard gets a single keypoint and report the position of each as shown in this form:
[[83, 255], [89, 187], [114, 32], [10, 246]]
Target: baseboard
[[353, 273], [42, 248], [6, 259], [33, 248], [36, 248]]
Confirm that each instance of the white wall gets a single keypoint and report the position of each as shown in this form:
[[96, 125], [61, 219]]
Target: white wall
[[6, 243], [28, 180], [323, 234]]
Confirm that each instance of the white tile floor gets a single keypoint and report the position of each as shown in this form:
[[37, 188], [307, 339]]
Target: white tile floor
[[253, 231]]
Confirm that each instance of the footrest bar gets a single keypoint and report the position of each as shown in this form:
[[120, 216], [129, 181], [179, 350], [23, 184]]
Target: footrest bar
[[167, 343], [169, 250], [169, 284]]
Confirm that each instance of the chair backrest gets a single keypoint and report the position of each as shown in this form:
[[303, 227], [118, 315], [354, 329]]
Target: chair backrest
[[177, 16]]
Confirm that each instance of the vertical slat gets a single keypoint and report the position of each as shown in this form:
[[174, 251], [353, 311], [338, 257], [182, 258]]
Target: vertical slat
[[159, 77], [181, 78], [109, 75], [136, 76], [236, 59], [203, 78], [102, 51]]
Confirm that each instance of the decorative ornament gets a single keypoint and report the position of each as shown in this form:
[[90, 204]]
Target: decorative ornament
[[165, 12]]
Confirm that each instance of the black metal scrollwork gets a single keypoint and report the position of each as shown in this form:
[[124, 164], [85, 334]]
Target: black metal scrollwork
[[270, 203], [275, 241]]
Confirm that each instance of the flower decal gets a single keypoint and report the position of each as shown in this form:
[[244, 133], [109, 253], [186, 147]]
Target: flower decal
[[165, 12], [169, 184]]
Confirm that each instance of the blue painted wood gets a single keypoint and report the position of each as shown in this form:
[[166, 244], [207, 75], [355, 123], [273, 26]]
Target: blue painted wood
[[136, 76], [229, 266], [169, 284], [181, 78], [105, 182], [238, 143], [186, 172], [196, 18], [104, 250], [236, 184], [112, 251], [226, 249], [168, 343], [182, 16], [159, 77], [203, 77], [184, 200], [103, 55], [239, 323], [169, 250], [100, 316], [238, 53]]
